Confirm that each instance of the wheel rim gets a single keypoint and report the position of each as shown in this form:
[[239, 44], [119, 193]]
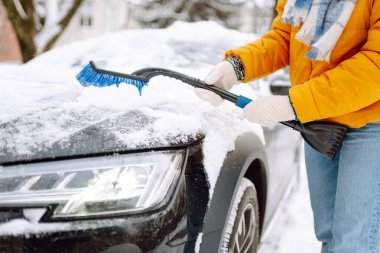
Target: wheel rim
[[245, 236]]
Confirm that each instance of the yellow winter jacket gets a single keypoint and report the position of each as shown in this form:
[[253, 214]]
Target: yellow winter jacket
[[346, 90]]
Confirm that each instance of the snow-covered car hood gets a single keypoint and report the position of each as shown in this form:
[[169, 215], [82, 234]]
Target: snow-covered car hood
[[45, 112], [100, 138]]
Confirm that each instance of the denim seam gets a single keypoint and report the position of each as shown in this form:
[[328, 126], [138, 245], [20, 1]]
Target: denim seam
[[374, 228]]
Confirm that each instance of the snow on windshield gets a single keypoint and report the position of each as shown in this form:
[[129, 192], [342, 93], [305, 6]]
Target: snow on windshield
[[41, 102]]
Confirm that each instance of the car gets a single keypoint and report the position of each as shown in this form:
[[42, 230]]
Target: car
[[106, 170]]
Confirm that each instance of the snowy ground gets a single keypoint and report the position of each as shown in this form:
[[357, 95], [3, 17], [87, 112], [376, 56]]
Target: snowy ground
[[293, 230]]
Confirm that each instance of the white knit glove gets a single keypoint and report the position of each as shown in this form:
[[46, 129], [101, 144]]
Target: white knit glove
[[223, 76], [268, 111]]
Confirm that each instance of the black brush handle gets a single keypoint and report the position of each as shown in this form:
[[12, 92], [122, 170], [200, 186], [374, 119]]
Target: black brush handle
[[149, 73], [239, 101]]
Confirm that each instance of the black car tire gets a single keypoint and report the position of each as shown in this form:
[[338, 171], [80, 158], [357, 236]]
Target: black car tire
[[244, 220]]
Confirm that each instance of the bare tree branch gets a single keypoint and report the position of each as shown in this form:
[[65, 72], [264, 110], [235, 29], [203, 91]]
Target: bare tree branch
[[19, 9], [63, 23], [29, 23]]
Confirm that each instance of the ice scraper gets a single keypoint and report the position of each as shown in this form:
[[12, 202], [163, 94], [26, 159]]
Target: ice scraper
[[324, 137]]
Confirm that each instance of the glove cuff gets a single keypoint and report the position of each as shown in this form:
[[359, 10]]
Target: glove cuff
[[237, 63]]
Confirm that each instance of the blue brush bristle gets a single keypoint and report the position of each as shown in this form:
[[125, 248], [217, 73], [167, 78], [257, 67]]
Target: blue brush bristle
[[89, 77]]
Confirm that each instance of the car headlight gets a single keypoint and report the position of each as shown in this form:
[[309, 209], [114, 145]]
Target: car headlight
[[93, 186]]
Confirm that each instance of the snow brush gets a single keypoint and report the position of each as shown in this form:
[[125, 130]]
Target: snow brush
[[326, 138], [93, 76]]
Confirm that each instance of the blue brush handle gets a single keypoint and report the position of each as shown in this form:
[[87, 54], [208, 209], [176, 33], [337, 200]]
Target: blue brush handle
[[242, 101]]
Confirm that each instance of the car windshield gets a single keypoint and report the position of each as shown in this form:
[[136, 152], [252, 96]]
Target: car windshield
[[45, 112]]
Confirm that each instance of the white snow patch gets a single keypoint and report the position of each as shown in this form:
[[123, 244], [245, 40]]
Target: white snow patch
[[34, 214], [25, 227], [20, 9], [30, 225], [45, 35], [198, 242], [244, 184]]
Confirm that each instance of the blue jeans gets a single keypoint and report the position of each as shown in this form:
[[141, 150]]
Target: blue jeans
[[345, 193]]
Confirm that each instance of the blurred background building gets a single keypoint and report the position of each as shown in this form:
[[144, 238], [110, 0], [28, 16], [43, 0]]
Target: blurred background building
[[39, 25], [97, 17]]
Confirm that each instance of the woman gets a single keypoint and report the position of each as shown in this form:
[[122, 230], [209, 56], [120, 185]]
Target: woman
[[333, 50]]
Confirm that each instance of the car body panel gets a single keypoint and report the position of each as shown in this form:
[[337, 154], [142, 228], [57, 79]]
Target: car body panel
[[248, 148]]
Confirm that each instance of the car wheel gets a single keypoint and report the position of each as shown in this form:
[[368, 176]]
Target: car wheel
[[242, 232]]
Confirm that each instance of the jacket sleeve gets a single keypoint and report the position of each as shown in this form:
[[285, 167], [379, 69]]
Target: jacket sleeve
[[267, 54], [352, 85]]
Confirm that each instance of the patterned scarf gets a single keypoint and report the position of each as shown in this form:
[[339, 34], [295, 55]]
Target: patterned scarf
[[323, 23]]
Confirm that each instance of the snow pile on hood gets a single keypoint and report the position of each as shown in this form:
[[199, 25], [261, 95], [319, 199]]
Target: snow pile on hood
[[42, 102]]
